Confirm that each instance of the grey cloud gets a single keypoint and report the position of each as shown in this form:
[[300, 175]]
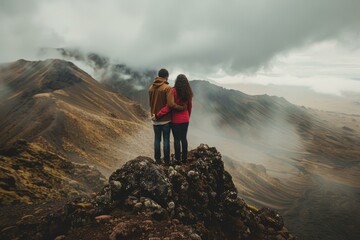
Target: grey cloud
[[199, 36], [22, 34]]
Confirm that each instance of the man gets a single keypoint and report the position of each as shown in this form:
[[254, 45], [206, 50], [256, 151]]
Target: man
[[160, 95]]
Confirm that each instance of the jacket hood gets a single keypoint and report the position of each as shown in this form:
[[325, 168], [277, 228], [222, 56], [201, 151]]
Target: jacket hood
[[159, 81]]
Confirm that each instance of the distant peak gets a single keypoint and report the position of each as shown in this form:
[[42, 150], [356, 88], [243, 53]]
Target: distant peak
[[45, 75], [22, 61], [59, 63]]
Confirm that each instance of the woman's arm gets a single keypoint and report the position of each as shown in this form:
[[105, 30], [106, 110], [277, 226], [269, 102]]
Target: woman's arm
[[166, 109]]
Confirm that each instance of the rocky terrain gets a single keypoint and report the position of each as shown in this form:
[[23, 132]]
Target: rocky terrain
[[29, 174], [143, 200]]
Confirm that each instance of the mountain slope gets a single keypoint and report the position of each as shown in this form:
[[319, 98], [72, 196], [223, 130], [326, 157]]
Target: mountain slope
[[60, 107]]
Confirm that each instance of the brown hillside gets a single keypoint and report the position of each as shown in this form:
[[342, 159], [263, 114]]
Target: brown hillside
[[63, 109]]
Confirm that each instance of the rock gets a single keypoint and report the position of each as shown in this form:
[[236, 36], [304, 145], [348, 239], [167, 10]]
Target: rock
[[279, 237], [26, 217], [171, 205], [61, 237], [194, 236], [147, 225], [8, 229], [123, 231], [176, 235], [160, 214], [142, 177], [271, 218], [102, 218], [116, 185], [84, 205], [93, 195]]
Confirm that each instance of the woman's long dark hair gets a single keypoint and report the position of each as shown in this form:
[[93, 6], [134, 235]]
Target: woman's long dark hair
[[183, 88]]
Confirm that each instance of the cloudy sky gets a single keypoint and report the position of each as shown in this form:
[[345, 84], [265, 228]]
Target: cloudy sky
[[307, 43]]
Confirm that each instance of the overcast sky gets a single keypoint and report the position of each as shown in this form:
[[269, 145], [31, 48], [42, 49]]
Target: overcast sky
[[310, 42]]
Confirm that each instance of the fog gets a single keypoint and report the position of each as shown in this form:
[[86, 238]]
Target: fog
[[266, 138]]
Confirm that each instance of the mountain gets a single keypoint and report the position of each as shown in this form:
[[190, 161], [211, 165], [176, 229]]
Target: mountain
[[61, 108], [305, 96], [131, 83]]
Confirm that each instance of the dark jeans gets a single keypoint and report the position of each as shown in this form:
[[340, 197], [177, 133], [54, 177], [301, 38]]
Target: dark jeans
[[163, 130], [180, 131]]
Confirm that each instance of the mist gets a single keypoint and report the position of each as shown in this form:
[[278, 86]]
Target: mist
[[272, 163], [273, 145]]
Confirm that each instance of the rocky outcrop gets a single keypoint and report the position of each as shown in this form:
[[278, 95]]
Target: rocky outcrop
[[200, 194], [143, 200]]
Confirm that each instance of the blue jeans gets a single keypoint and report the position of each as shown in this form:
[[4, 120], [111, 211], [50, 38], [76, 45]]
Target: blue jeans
[[163, 130]]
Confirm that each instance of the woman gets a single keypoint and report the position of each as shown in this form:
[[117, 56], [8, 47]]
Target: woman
[[180, 119]]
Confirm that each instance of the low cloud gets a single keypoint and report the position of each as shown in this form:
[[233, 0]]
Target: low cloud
[[201, 36]]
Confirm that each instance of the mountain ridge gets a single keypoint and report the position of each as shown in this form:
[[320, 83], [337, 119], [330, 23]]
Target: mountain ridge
[[66, 111]]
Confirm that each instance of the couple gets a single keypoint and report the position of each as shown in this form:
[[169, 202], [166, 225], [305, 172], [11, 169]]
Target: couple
[[170, 109]]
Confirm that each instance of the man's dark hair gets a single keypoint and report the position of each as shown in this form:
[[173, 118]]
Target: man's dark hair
[[163, 73]]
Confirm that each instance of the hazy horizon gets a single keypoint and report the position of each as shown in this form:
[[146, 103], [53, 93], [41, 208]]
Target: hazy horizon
[[304, 96]]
